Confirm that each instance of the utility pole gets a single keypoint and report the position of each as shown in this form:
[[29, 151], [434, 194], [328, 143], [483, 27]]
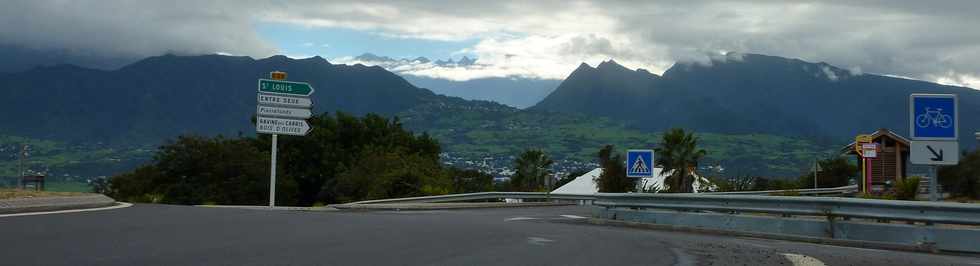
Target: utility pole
[[23, 153], [816, 168]]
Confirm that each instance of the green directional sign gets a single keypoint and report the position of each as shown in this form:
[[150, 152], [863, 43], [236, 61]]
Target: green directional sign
[[285, 87]]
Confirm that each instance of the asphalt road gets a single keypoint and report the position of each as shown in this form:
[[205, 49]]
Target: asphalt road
[[184, 235]]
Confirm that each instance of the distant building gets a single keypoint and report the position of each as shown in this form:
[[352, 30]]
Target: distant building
[[585, 184], [888, 166]]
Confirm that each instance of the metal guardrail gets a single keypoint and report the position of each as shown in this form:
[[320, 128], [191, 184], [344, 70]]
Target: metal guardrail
[[781, 216], [942, 225], [558, 196], [803, 192], [914, 211], [481, 196]]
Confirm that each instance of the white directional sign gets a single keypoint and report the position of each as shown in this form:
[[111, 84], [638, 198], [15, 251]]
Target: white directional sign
[[869, 150], [270, 125], [935, 152], [286, 112], [285, 101]]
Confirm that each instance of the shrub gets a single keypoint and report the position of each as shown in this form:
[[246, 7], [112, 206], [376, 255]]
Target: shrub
[[908, 188]]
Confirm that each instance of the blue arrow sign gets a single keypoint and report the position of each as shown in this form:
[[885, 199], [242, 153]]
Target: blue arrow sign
[[639, 163], [933, 117]]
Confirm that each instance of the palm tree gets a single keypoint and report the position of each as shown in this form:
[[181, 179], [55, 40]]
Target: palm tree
[[533, 166], [613, 178], [678, 154]]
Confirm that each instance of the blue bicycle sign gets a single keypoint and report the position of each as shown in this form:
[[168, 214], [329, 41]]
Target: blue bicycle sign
[[933, 116]]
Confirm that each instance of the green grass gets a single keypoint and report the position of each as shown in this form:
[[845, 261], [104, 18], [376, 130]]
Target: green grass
[[479, 134], [59, 158], [63, 186]]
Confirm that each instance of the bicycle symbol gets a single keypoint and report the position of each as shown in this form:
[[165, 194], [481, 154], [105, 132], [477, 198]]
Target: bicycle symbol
[[934, 118]]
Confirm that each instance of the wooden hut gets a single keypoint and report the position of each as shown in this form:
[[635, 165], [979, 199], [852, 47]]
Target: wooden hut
[[888, 166]]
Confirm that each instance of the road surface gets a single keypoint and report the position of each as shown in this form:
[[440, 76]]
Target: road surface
[[184, 235]]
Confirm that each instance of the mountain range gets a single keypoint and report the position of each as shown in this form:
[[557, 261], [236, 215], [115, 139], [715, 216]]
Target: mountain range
[[751, 93], [755, 114], [165, 96], [513, 91]]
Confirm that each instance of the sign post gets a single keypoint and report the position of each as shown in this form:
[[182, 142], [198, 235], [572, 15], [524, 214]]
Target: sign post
[[282, 108], [858, 142], [934, 128], [869, 151], [272, 171]]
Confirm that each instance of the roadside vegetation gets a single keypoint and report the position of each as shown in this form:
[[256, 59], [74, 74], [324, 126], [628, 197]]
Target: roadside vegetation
[[679, 154], [6, 193], [613, 178], [835, 171], [345, 158], [532, 167], [963, 180]]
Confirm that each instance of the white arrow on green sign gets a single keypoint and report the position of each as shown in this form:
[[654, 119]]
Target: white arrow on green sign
[[285, 87]]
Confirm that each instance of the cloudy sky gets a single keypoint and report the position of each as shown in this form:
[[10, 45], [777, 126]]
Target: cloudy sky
[[929, 40]]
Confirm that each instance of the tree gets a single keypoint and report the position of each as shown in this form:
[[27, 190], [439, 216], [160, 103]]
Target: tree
[[532, 167], [337, 144], [197, 170], [678, 155], [344, 158], [834, 172], [735, 183], [381, 173], [613, 178], [963, 179], [468, 180]]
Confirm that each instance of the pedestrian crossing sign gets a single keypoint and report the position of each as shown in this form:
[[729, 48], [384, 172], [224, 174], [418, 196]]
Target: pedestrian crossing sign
[[639, 163]]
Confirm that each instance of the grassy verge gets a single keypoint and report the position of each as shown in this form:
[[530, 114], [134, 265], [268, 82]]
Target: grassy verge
[[67, 187], [20, 193]]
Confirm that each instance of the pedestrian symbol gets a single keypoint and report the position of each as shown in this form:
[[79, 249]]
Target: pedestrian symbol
[[639, 166], [639, 163]]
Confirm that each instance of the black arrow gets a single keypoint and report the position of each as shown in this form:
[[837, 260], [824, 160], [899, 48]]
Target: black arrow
[[936, 157]]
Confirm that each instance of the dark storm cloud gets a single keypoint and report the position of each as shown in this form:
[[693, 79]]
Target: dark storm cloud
[[931, 40], [119, 30]]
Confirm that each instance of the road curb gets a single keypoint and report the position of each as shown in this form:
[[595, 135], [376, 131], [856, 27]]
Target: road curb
[[442, 206], [48, 204]]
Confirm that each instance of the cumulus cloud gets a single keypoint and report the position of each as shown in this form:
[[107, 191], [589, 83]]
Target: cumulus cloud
[[545, 39]]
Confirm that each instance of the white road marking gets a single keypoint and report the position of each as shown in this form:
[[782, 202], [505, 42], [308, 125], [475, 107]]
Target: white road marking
[[573, 216], [121, 205], [683, 259], [867, 249], [538, 241], [758, 245], [803, 260], [520, 219]]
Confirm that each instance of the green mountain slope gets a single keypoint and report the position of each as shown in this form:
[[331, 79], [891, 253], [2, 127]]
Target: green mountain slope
[[92, 114]]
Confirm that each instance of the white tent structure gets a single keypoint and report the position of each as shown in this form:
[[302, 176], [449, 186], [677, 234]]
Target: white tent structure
[[584, 184]]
